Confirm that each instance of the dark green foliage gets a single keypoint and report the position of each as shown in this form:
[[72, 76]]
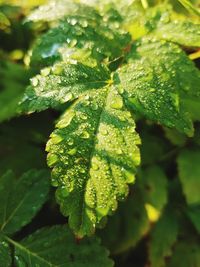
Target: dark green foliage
[[110, 90]]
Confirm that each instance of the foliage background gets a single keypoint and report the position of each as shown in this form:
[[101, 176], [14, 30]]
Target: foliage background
[[159, 223]]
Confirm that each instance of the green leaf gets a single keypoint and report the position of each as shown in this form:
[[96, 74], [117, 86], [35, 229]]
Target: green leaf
[[163, 237], [187, 253], [4, 21], [193, 213], [56, 246], [128, 226], [191, 8], [79, 31], [13, 81], [156, 81], [153, 186], [62, 83], [189, 172], [21, 143], [184, 33], [153, 147], [94, 154], [5, 252], [63, 8], [175, 137], [21, 199]]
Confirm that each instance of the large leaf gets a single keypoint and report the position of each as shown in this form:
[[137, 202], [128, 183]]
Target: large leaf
[[187, 253], [53, 11], [91, 166], [56, 246], [21, 199], [62, 83], [94, 154], [189, 173], [155, 82], [91, 33], [190, 7], [180, 32]]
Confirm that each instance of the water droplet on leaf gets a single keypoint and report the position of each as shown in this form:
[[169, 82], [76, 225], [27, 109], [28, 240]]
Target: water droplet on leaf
[[34, 81], [72, 151]]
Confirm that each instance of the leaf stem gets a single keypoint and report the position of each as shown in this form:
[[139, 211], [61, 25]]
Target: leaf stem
[[195, 55]]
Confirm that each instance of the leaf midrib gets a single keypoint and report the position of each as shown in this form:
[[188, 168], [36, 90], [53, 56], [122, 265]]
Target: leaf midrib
[[16, 244]]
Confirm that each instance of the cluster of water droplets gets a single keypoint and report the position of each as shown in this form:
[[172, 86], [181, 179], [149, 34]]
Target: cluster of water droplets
[[154, 82]]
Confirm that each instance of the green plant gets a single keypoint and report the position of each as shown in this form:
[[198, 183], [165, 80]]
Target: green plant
[[121, 81]]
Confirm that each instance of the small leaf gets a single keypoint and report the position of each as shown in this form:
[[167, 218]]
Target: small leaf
[[175, 137], [189, 173], [163, 237], [153, 185], [56, 246], [94, 156], [22, 199], [4, 21]]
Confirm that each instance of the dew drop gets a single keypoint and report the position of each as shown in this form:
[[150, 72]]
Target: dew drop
[[19, 261], [95, 166], [175, 99], [56, 139], [73, 42], [85, 135], [67, 97], [104, 132], [52, 159], [72, 151], [70, 141], [65, 121], [83, 116], [34, 81], [94, 106], [130, 177], [82, 170], [119, 151], [117, 103], [45, 71], [121, 90], [151, 90], [57, 69], [54, 182], [73, 21], [84, 23]]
